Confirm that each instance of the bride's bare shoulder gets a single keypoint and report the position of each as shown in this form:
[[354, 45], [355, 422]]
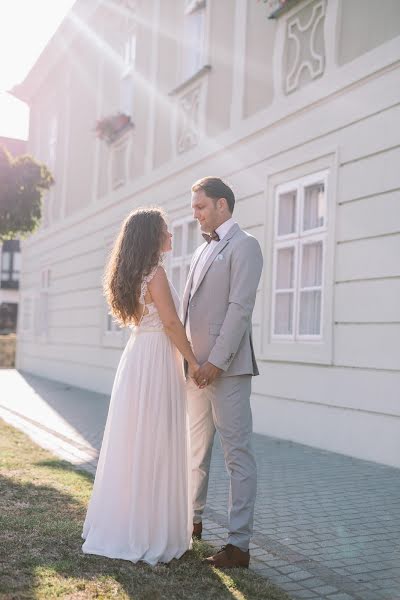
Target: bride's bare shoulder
[[159, 277]]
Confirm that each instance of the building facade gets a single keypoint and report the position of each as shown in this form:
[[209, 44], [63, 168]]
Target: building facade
[[300, 113]]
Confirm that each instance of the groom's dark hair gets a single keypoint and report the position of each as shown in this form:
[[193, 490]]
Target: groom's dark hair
[[215, 188]]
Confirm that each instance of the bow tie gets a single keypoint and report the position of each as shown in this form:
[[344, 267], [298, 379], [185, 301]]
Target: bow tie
[[214, 237]]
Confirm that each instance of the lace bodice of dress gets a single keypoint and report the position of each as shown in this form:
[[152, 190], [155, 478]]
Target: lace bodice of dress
[[152, 318]]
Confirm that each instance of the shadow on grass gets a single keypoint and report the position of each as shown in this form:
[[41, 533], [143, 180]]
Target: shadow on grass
[[40, 550], [64, 466]]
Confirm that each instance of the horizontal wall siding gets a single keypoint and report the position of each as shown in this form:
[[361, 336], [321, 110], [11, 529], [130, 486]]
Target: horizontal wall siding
[[367, 294], [74, 317], [88, 335], [357, 389], [369, 258], [376, 346], [82, 280], [250, 211], [372, 175], [75, 299], [372, 134], [331, 428], [369, 217], [91, 377], [76, 353], [369, 301]]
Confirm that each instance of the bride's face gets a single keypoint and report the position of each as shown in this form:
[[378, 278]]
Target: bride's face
[[167, 239]]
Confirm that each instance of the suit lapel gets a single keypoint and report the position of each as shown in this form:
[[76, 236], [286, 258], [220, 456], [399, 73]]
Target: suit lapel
[[217, 250]]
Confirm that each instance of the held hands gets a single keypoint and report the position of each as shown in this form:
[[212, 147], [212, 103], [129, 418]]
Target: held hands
[[205, 375], [193, 369]]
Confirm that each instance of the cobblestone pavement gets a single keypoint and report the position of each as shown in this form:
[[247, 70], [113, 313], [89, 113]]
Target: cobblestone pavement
[[327, 526]]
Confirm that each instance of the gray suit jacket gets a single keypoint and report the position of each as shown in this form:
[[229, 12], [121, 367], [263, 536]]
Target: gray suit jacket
[[221, 306]]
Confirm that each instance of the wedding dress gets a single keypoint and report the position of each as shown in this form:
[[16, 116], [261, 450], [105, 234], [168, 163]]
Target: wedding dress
[[140, 507]]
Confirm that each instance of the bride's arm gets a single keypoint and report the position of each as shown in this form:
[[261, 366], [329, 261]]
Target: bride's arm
[[162, 298]]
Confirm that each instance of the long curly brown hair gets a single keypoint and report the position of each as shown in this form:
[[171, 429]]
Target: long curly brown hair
[[136, 251]]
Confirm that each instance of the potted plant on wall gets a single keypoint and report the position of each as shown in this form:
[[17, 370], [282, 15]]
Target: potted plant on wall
[[110, 128]]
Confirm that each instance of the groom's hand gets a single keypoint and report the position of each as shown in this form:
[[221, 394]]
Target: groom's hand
[[206, 374]]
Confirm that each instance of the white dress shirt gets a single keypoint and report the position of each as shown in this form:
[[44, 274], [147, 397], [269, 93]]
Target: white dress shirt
[[222, 231]]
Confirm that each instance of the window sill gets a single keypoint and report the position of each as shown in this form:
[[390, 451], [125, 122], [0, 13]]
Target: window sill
[[314, 352], [185, 84], [119, 136], [276, 8]]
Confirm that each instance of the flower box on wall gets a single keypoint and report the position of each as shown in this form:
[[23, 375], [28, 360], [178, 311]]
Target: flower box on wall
[[113, 127], [277, 7]]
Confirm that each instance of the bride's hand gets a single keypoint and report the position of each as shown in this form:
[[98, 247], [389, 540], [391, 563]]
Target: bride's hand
[[193, 368]]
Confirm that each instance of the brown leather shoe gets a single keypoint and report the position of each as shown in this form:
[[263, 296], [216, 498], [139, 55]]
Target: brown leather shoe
[[197, 531], [229, 557]]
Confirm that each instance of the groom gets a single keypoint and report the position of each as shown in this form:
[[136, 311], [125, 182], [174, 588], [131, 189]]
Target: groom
[[217, 307]]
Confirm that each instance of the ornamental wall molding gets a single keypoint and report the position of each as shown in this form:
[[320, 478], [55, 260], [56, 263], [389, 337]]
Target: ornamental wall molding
[[188, 119], [302, 37]]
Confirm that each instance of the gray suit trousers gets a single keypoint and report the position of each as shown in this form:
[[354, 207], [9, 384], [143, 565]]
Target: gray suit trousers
[[224, 406]]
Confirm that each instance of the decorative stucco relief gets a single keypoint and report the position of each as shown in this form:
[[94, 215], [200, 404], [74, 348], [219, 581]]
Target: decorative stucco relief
[[188, 119], [305, 46]]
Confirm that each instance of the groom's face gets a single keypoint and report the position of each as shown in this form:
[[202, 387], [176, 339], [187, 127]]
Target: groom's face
[[206, 211]]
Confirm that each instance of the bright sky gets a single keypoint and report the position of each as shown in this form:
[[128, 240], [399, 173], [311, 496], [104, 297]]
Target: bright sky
[[25, 28]]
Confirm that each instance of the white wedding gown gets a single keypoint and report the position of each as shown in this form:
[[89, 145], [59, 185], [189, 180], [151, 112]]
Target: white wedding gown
[[140, 507]]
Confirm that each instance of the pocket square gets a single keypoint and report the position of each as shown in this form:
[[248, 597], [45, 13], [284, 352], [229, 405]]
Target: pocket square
[[220, 257]]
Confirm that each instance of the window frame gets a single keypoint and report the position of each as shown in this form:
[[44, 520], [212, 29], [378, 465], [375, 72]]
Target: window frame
[[297, 240], [41, 306], [26, 333], [183, 260], [52, 141], [286, 170], [117, 336], [11, 283], [128, 59], [190, 7], [309, 337], [118, 163]]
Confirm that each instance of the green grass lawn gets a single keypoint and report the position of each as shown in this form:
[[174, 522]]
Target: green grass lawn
[[42, 507]]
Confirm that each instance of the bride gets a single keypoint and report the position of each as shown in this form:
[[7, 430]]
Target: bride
[[140, 507]]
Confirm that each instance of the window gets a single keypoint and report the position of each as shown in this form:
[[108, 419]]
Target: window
[[45, 279], [130, 50], [114, 336], [193, 37], [300, 234], [8, 317], [118, 165], [52, 142], [50, 159], [186, 238], [25, 316], [127, 75], [42, 305], [10, 265], [111, 325]]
